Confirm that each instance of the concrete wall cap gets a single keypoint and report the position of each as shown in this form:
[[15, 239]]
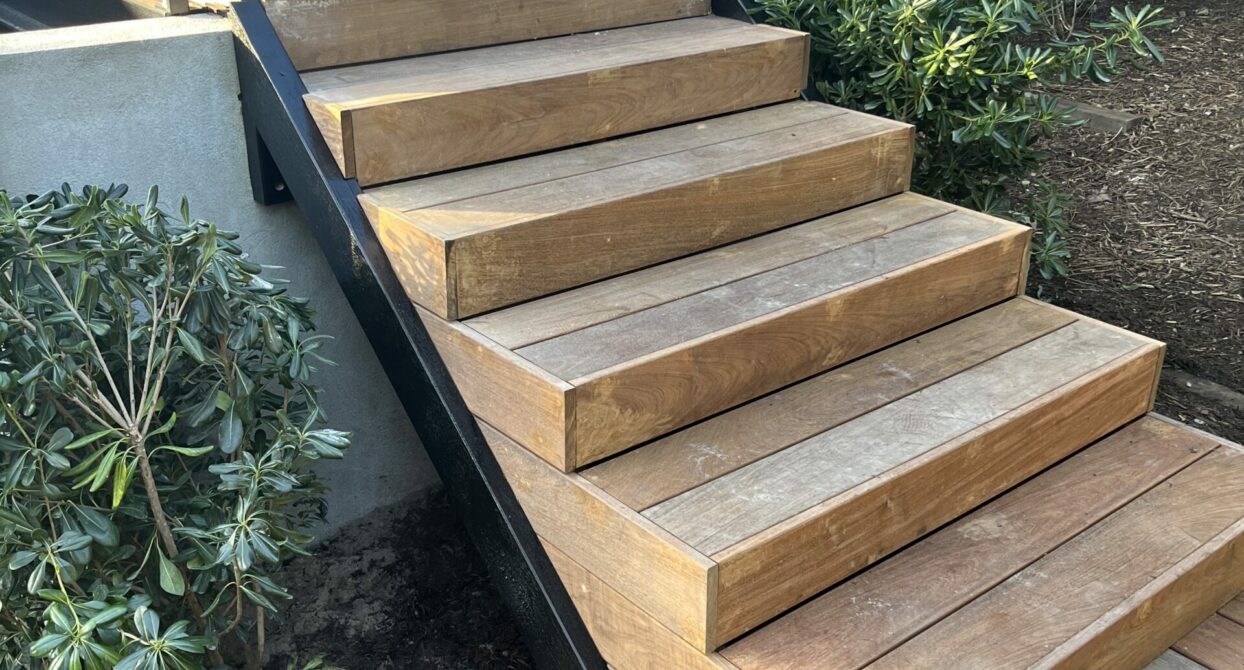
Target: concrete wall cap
[[116, 32]]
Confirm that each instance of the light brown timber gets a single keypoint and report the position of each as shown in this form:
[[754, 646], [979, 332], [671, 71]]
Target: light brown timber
[[422, 120], [327, 33]]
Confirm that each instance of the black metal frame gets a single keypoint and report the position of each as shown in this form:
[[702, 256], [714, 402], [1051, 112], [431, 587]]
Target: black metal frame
[[289, 159]]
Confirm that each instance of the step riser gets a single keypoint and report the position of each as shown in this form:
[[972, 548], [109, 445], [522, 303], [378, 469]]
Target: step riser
[[660, 574], [627, 636], [462, 277], [328, 33], [403, 139], [573, 424], [768, 574]]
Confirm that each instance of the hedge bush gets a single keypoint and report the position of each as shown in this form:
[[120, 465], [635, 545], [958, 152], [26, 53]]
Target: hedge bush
[[965, 72], [156, 424]]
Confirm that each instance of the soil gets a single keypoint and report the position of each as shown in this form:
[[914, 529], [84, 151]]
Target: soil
[[1157, 224], [405, 589]]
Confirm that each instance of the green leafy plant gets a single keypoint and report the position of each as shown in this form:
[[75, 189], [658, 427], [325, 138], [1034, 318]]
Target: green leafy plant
[[968, 75], [156, 427]]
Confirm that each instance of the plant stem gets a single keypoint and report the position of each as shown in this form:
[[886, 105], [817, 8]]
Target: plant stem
[[166, 533]]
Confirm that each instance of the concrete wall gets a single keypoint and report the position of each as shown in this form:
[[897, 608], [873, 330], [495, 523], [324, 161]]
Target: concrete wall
[[156, 102]]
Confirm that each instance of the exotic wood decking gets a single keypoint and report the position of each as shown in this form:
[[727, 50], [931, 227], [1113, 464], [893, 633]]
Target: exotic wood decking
[[765, 408]]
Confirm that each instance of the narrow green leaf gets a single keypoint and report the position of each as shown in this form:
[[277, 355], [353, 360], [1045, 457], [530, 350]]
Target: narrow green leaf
[[230, 433], [187, 451], [120, 482], [170, 577], [192, 346], [88, 439]]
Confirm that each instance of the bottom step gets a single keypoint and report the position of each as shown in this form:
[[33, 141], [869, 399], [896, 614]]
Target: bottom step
[[1217, 644], [1103, 561]]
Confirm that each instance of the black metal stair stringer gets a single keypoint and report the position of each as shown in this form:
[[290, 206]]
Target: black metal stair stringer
[[290, 159]]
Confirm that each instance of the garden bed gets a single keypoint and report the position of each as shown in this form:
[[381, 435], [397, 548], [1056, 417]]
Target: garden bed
[[403, 590], [1158, 213]]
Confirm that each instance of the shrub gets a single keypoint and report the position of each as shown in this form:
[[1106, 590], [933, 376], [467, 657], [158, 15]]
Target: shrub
[[961, 71], [156, 424]]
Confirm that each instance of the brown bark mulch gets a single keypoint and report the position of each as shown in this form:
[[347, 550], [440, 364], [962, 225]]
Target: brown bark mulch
[[1157, 219]]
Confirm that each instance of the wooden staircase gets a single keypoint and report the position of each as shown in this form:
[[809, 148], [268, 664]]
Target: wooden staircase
[[765, 408]]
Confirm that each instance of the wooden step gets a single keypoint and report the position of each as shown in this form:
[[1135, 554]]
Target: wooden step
[[1100, 562], [472, 241], [584, 374], [717, 528], [1216, 644], [399, 119], [327, 33]]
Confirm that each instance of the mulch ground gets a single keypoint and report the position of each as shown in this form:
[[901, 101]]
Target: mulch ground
[[1158, 213], [403, 590]]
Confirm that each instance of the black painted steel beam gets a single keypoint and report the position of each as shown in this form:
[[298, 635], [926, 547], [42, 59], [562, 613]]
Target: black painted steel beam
[[290, 159]]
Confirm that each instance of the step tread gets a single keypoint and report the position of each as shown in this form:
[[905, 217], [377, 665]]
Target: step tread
[[1010, 585], [743, 320], [399, 119], [330, 33], [856, 458], [385, 82], [492, 236], [1216, 644], [1173, 660]]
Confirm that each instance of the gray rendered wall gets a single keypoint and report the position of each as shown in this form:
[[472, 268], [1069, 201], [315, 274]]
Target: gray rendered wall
[[155, 101]]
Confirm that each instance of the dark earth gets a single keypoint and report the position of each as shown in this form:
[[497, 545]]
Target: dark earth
[[405, 589], [1158, 241], [1157, 227]]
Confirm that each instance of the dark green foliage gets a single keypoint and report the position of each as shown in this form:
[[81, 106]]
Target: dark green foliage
[[962, 72], [156, 424]]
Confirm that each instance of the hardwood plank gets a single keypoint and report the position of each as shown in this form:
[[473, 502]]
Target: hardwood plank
[[629, 404], [362, 86], [1056, 598], [1218, 644], [518, 55], [589, 350], [610, 221], [531, 405], [423, 266], [437, 190], [325, 33], [834, 134], [737, 506], [876, 611], [698, 454], [628, 637], [1129, 635], [561, 313], [423, 123], [1234, 610], [531, 241], [990, 460], [654, 569], [1173, 660]]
